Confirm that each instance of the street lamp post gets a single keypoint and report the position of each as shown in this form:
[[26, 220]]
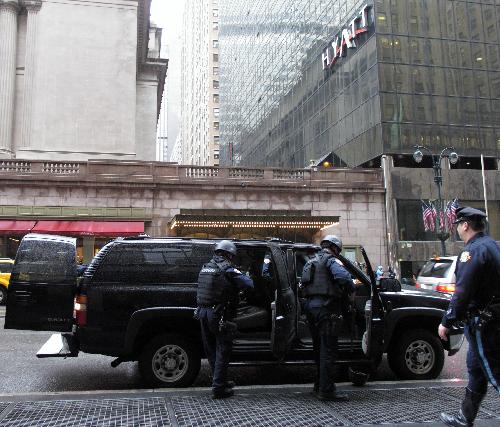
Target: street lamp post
[[448, 152]]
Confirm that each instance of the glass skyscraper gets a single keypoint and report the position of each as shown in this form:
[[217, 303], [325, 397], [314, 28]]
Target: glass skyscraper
[[423, 72], [363, 82]]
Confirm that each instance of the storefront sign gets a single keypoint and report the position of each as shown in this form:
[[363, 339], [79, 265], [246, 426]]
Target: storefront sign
[[346, 39]]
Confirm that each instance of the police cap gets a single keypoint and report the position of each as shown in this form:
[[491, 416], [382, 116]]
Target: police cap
[[466, 213], [226, 246]]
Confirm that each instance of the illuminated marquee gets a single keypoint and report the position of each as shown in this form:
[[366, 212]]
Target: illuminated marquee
[[346, 39]]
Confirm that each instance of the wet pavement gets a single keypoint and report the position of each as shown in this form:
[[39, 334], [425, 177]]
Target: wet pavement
[[387, 403]]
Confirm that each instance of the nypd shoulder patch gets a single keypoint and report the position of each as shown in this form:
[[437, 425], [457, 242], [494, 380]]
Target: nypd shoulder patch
[[465, 256]]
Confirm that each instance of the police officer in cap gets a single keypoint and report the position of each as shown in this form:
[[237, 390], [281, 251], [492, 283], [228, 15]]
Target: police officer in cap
[[219, 283], [477, 302], [325, 294]]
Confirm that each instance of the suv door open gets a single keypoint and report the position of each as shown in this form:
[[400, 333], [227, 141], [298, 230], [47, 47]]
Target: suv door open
[[42, 284], [283, 308], [373, 338]]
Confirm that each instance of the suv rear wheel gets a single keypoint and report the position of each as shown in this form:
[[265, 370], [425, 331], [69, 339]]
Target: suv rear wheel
[[170, 361], [417, 355]]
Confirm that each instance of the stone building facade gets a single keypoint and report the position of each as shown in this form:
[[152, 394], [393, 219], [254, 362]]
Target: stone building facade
[[97, 200], [78, 80]]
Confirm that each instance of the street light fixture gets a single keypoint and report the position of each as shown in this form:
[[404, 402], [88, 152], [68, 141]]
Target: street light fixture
[[452, 156]]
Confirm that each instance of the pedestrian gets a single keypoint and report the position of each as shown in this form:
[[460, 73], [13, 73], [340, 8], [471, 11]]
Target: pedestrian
[[379, 272], [477, 302], [219, 283], [325, 291]]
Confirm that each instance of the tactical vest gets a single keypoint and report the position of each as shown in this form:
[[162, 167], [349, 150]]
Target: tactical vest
[[213, 286], [322, 283]]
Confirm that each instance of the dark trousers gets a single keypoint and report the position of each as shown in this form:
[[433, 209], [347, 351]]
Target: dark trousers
[[483, 356], [325, 344], [218, 346]]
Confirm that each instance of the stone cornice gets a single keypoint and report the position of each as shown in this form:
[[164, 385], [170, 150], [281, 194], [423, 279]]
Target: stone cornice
[[32, 5], [10, 5], [154, 65]]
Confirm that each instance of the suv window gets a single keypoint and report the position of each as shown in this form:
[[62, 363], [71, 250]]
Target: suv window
[[437, 268], [154, 263], [35, 264]]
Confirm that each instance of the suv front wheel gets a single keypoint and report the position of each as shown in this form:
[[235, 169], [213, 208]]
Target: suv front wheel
[[170, 361], [417, 355]]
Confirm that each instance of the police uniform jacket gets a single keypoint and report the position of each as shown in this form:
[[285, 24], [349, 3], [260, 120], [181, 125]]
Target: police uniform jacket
[[478, 279], [219, 282]]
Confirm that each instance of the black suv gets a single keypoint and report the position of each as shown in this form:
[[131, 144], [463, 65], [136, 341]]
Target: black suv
[[135, 301]]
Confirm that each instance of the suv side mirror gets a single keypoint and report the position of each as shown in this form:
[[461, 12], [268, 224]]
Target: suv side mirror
[[389, 285]]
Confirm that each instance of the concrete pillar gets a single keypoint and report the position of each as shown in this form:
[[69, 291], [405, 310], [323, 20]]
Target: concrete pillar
[[32, 7], [8, 41], [88, 248]]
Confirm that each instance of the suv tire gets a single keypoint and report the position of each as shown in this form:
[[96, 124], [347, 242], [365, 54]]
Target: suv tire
[[416, 355], [3, 295], [169, 361]]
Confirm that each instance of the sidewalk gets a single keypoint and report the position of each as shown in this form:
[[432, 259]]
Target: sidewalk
[[401, 403]]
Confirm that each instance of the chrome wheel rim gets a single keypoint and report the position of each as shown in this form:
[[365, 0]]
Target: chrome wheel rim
[[170, 363], [419, 357]]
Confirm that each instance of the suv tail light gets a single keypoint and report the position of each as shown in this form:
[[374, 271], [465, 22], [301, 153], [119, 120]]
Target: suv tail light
[[81, 310], [448, 288]]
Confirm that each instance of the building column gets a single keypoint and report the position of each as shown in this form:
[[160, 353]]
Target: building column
[[390, 215], [32, 7], [88, 248], [8, 42]]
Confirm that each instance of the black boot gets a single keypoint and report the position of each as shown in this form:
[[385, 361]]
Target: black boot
[[468, 412]]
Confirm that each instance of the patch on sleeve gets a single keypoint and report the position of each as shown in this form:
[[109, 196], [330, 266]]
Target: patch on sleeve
[[338, 261], [267, 261], [465, 256], [237, 271]]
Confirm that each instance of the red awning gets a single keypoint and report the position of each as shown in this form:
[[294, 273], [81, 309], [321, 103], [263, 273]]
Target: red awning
[[90, 228], [15, 227]]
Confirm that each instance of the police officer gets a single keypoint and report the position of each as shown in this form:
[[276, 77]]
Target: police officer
[[476, 301], [323, 307], [219, 283]]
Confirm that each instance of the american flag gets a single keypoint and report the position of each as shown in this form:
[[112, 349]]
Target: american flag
[[428, 216], [451, 213]]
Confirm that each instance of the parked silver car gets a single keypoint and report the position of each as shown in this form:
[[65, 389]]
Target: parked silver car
[[438, 274]]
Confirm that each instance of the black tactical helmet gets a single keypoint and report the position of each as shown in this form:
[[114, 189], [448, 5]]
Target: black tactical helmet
[[333, 240], [226, 246]]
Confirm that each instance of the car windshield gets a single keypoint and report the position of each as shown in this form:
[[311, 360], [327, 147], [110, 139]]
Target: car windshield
[[437, 268], [5, 267]]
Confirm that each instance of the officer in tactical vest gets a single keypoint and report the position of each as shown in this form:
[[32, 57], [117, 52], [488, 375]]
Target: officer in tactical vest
[[477, 302], [219, 283], [326, 291]]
